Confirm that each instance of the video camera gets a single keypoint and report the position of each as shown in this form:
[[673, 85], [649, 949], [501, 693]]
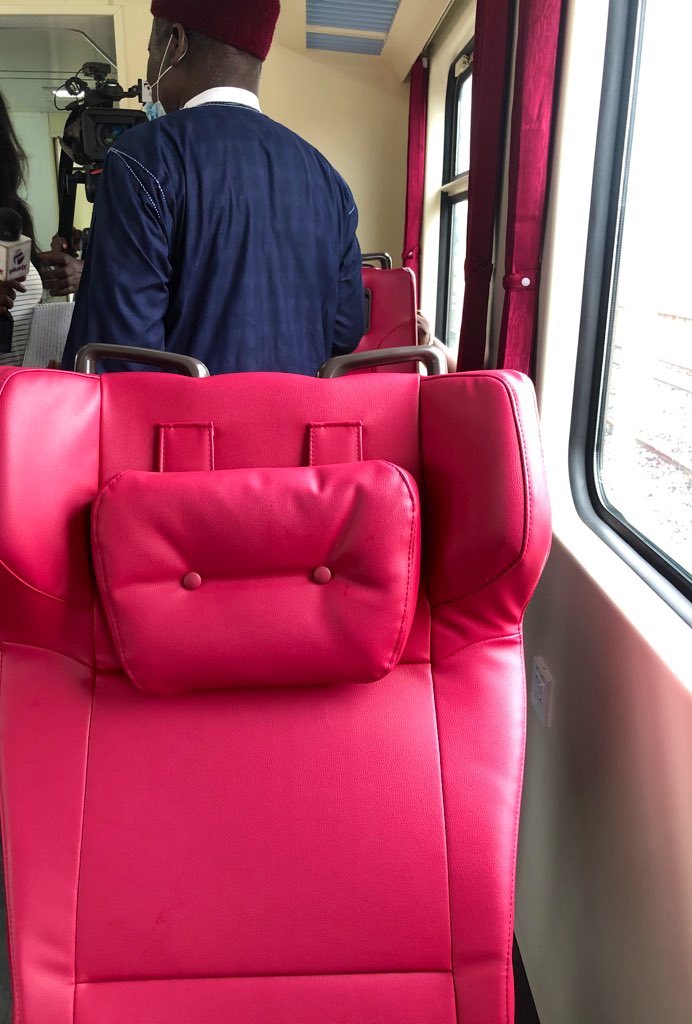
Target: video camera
[[94, 125]]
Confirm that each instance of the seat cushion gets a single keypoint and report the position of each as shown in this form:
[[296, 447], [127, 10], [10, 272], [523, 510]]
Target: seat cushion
[[258, 577]]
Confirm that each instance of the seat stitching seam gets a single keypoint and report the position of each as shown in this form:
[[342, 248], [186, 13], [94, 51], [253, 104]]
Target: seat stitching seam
[[437, 735], [515, 850], [81, 840], [265, 977], [10, 909], [109, 604], [479, 643], [399, 639], [521, 557], [43, 593], [47, 650]]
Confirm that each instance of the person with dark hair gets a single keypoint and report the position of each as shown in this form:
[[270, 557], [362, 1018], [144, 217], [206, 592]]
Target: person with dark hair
[[17, 297], [217, 232]]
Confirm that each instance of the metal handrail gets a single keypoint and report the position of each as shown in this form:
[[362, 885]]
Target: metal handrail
[[432, 358], [88, 357], [383, 258]]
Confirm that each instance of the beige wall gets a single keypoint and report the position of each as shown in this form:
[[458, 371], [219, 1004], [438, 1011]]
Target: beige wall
[[604, 902], [355, 111], [414, 25], [132, 46]]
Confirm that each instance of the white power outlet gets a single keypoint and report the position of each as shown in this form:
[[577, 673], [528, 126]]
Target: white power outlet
[[541, 691]]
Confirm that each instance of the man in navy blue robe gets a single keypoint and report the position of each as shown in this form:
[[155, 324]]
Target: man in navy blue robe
[[217, 232]]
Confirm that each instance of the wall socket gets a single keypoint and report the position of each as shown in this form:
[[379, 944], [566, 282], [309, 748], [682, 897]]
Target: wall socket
[[541, 691]]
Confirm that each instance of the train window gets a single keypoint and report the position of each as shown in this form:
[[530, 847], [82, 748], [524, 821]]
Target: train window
[[639, 434], [455, 194], [462, 143]]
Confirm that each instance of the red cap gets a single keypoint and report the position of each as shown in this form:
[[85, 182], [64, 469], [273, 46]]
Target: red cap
[[247, 25]]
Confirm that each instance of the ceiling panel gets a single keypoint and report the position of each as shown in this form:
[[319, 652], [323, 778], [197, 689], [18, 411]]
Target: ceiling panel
[[344, 44], [352, 18], [363, 15]]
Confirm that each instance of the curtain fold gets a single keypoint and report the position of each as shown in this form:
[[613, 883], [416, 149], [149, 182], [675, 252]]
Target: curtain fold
[[532, 131], [415, 191], [491, 60]]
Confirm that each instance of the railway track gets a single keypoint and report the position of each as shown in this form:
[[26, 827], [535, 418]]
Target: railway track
[[678, 379], [671, 460]]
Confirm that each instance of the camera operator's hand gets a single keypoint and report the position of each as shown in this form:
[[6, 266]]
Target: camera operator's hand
[[60, 244], [62, 273], [8, 293]]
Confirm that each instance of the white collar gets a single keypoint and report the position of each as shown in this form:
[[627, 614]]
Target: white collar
[[225, 94]]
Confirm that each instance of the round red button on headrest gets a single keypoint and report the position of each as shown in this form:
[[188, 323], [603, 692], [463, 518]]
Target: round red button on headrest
[[192, 581], [323, 575]]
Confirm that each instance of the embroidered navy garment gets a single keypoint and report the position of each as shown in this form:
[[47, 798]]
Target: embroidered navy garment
[[218, 233]]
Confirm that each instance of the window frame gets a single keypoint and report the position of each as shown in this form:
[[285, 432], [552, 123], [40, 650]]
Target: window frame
[[450, 179], [622, 53]]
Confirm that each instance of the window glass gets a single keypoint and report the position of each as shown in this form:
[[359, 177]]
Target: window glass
[[644, 442], [463, 133], [454, 200], [457, 282]]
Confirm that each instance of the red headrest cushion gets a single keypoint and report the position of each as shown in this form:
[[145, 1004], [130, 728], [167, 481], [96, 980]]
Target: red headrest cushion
[[258, 577]]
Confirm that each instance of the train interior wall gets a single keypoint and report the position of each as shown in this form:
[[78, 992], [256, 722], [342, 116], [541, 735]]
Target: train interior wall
[[604, 912], [604, 898]]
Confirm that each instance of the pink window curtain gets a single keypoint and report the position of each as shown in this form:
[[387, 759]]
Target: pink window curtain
[[532, 128], [491, 59], [417, 131]]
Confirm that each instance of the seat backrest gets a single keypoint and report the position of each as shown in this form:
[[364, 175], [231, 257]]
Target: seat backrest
[[392, 305], [262, 696]]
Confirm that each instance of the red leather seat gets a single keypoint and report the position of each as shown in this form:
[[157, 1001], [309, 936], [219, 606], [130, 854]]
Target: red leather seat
[[392, 303], [393, 307], [262, 696]]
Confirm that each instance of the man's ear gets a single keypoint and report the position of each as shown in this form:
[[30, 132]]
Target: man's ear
[[181, 43]]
